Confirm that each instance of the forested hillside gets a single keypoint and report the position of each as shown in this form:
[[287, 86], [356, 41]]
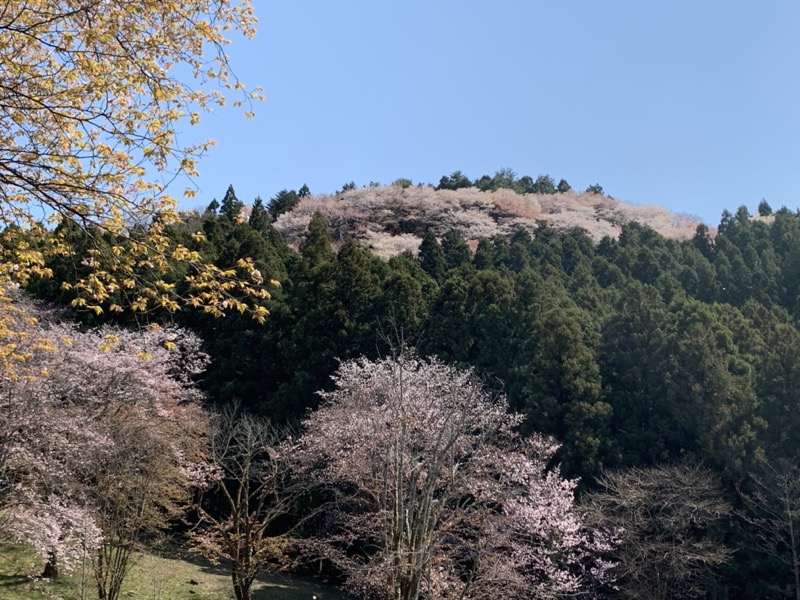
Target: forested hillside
[[636, 350], [390, 219]]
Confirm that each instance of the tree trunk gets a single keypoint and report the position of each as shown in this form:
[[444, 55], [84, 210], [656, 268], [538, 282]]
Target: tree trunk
[[50, 566], [241, 585], [795, 557]]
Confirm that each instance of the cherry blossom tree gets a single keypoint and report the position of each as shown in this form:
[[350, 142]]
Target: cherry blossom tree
[[100, 436], [439, 497]]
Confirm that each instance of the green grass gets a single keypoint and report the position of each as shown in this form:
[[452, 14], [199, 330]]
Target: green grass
[[152, 578]]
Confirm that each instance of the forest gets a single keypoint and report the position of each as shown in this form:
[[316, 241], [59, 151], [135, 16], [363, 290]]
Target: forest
[[488, 388], [634, 375]]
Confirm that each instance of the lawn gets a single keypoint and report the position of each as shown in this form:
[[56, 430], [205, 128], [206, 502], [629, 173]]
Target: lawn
[[152, 578]]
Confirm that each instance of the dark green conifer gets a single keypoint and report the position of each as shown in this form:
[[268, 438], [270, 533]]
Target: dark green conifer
[[259, 218], [431, 256], [231, 207]]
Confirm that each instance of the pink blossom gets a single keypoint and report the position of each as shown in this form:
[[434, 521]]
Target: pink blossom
[[92, 414], [439, 494]]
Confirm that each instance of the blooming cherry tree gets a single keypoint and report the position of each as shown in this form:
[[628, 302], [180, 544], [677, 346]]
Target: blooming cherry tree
[[99, 438], [439, 496]]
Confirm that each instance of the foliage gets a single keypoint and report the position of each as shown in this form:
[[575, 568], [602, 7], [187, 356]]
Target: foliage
[[92, 97], [441, 498], [99, 441]]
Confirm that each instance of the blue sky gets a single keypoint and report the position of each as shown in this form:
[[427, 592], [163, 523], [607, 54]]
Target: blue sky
[[694, 105]]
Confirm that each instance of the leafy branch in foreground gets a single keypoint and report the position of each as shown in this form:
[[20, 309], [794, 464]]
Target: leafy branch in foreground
[[92, 97]]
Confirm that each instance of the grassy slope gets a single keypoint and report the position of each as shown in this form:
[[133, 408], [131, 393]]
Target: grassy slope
[[152, 578]]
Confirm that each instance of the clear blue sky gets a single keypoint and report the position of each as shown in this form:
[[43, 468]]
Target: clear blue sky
[[694, 105]]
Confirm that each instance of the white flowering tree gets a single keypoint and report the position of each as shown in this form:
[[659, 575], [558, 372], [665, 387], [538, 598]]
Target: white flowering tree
[[439, 496], [99, 440]]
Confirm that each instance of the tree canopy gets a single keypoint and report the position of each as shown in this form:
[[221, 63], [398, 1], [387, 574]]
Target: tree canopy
[[92, 99], [440, 497]]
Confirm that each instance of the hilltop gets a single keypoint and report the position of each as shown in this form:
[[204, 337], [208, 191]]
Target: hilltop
[[391, 219]]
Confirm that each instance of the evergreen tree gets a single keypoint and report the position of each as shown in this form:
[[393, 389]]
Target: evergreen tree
[[544, 184], [312, 327], [211, 209], [455, 181], [446, 332], [316, 248], [455, 249], [519, 256], [484, 184], [560, 388], [231, 207], [431, 256], [595, 189], [483, 254], [504, 178], [259, 218], [356, 292], [283, 202], [405, 297], [712, 401], [577, 249], [635, 364], [525, 185], [546, 247], [500, 251], [771, 343]]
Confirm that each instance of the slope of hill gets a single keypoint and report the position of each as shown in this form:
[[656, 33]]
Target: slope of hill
[[390, 219]]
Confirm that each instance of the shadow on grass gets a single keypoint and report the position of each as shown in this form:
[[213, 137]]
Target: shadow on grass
[[269, 585], [11, 581], [289, 587]]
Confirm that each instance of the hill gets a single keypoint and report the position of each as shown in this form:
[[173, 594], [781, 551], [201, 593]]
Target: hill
[[390, 219]]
